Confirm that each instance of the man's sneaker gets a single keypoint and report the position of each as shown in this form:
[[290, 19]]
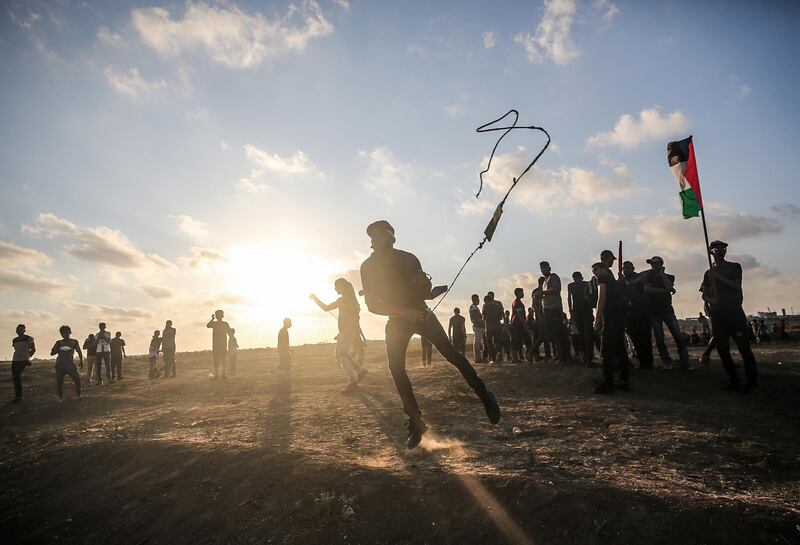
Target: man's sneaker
[[416, 428], [668, 365], [491, 406], [704, 360]]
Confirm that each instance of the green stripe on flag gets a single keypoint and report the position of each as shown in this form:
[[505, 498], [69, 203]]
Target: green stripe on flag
[[689, 204]]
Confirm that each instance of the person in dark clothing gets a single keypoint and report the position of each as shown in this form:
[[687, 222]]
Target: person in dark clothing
[[103, 338], [521, 342], [168, 349], [478, 329], [659, 288], [284, 347], [457, 331], [90, 345], [152, 354], [24, 348], [117, 354], [233, 354], [580, 310], [610, 321], [219, 342], [722, 290], [426, 349], [541, 337], [505, 336], [64, 350], [396, 286], [637, 321], [493, 316]]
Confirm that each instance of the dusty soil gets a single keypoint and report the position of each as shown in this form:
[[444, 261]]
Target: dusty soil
[[288, 458]]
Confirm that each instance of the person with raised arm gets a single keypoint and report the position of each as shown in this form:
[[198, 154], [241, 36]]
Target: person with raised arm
[[64, 350], [219, 342]]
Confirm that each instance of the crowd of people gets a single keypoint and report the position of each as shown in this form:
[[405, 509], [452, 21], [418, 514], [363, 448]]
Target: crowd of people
[[600, 314]]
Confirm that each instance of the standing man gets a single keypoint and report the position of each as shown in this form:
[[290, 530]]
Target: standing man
[[90, 345], [553, 311], [396, 286], [219, 342], [722, 290], [457, 331], [103, 338], [24, 348], [233, 351], [284, 349], [117, 354], [152, 354], [64, 350], [610, 322], [493, 316], [478, 328], [168, 349], [540, 337], [580, 311], [520, 340], [637, 321], [659, 287], [703, 321]]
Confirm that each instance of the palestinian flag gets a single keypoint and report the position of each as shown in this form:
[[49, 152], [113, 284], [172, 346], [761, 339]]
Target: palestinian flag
[[681, 159]]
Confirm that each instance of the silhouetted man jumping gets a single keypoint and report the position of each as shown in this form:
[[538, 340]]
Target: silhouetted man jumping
[[396, 286]]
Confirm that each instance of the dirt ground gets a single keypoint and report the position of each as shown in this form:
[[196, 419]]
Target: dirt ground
[[290, 459]]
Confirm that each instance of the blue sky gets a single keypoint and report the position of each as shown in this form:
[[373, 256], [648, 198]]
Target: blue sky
[[161, 160]]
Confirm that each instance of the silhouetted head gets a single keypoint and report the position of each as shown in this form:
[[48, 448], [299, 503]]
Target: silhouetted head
[[118, 334], [475, 299], [156, 334], [219, 314], [519, 293], [65, 331], [490, 295], [21, 329], [607, 258], [91, 336], [456, 311], [102, 326], [541, 281], [287, 323], [544, 266], [577, 276], [599, 268], [628, 268], [381, 234], [718, 249], [508, 313], [169, 323], [232, 331], [486, 299], [656, 263]]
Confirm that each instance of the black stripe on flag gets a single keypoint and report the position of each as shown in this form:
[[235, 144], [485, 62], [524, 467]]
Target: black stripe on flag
[[678, 152]]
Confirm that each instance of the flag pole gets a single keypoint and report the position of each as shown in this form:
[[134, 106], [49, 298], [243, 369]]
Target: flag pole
[[705, 233]]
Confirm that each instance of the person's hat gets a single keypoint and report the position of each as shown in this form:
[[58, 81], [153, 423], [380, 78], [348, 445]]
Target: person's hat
[[717, 244], [655, 260], [607, 253], [380, 224]]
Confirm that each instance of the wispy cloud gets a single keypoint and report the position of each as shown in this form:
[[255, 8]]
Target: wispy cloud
[[13, 255], [200, 257], [630, 132], [384, 174], [110, 38], [131, 84], [157, 292], [552, 40], [12, 280], [190, 226], [228, 34], [262, 163], [489, 40]]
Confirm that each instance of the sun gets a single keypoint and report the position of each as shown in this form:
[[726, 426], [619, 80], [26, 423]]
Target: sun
[[274, 281]]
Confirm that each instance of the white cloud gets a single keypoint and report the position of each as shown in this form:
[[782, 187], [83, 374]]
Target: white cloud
[[190, 226], [788, 210], [100, 245], [630, 132], [202, 256], [157, 292], [552, 40], [607, 9], [262, 163], [544, 190], [11, 280], [384, 175], [105, 312], [131, 84], [344, 4], [13, 255], [224, 145], [110, 38], [228, 34], [489, 40], [738, 88], [458, 107]]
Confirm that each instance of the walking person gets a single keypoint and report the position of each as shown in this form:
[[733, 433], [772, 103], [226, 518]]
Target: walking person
[[349, 326], [24, 349], [284, 348], [152, 354], [722, 290], [233, 353], [426, 348], [637, 321], [90, 345], [219, 342], [168, 349], [553, 310], [660, 287], [396, 286], [117, 354], [478, 329], [521, 341], [493, 317], [64, 349], [457, 331], [610, 322], [580, 310], [541, 337]]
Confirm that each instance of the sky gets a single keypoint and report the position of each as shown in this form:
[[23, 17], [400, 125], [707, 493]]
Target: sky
[[161, 160]]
